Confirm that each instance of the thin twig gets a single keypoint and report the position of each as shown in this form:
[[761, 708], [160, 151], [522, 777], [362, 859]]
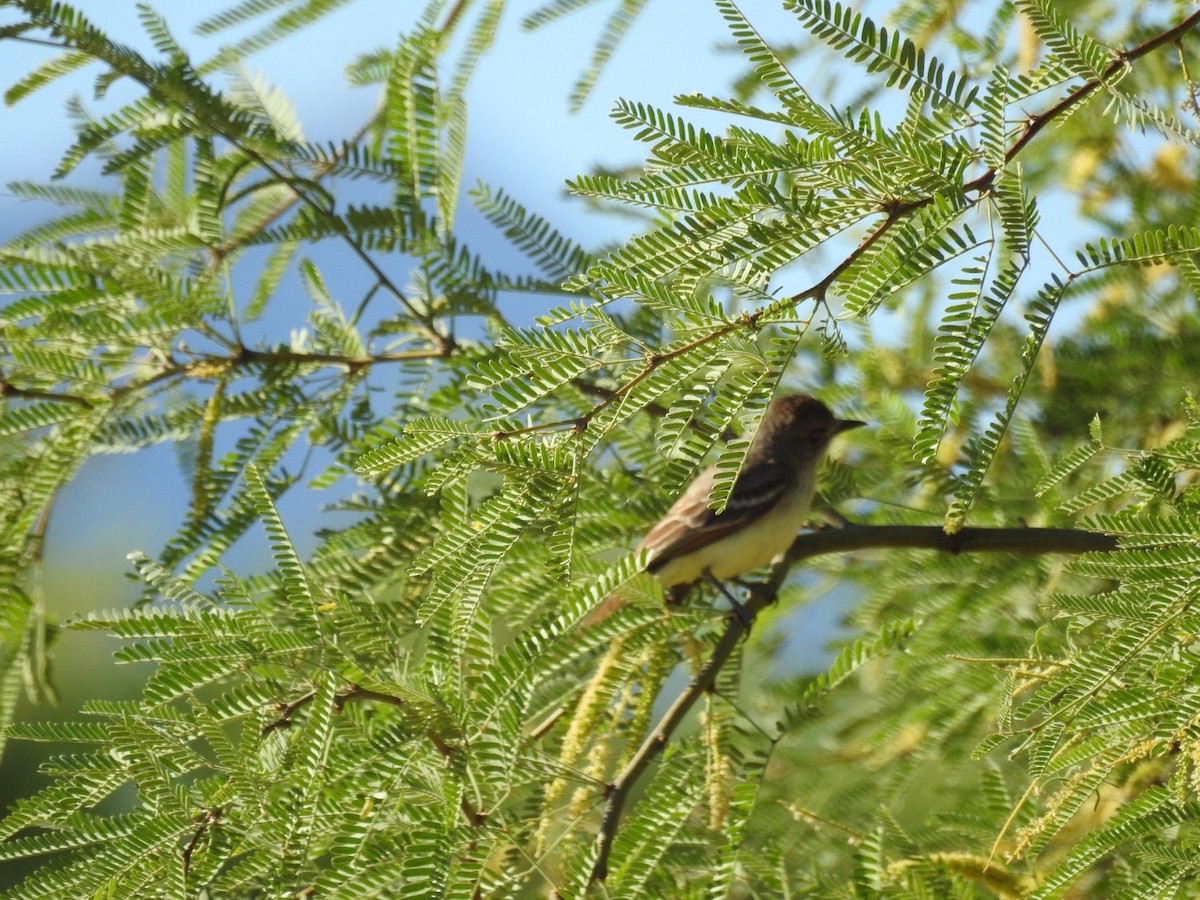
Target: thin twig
[[1120, 62], [11, 390], [8, 389], [224, 248], [473, 817], [207, 365], [652, 362]]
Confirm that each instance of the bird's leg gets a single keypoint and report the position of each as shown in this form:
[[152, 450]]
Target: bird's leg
[[738, 609], [831, 518]]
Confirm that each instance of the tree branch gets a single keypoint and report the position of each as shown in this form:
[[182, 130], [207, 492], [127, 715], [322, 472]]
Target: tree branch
[[8, 389], [1030, 541], [851, 537]]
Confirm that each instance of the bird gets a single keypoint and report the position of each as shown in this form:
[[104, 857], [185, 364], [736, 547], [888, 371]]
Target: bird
[[767, 506]]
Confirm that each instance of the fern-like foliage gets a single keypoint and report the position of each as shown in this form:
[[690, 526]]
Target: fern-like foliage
[[417, 700], [860, 40]]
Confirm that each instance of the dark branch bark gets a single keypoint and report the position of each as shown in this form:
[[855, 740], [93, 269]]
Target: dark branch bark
[[1032, 541]]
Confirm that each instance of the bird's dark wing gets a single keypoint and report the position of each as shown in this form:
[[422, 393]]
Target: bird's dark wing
[[691, 523]]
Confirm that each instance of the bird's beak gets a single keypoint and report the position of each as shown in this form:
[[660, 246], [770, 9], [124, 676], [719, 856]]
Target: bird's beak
[[847, 424]]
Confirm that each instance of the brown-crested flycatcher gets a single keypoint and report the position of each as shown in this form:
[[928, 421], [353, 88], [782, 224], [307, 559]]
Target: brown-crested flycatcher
[[767, 506]]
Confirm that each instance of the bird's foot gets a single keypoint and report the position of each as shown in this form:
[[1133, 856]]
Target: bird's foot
[[736, 605]]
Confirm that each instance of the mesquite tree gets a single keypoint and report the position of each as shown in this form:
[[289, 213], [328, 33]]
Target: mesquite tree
[[413, 708]]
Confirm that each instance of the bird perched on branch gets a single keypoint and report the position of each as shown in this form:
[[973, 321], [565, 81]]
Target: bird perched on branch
[[767, 506]]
